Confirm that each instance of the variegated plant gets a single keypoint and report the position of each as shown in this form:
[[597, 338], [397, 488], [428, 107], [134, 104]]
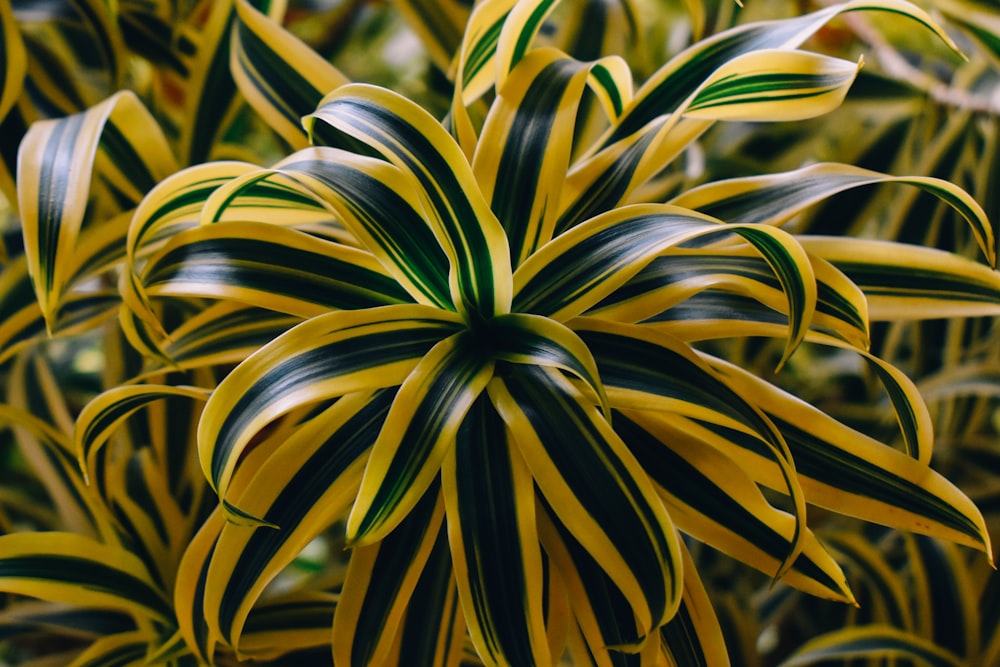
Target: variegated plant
[[479, 346]]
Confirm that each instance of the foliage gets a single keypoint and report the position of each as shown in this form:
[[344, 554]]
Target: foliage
[[507, 360]]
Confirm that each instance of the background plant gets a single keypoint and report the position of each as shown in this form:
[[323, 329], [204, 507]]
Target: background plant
[[447, 250]]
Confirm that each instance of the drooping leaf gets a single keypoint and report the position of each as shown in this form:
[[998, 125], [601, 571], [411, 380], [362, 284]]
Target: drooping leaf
[[55, 168], [325, 357], [595, 487], [489, 498], [281, 77], [415, 142]]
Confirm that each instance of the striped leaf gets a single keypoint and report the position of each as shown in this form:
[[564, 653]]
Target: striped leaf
[[122, 649], [726, 287], [777, 198], [673, 83], [602, 628], [80, 36], [72, 568], [694, 637], [189, 589], [105, 413], [773, 85], [386, 218], [321, 464], [210, 93], [289, 622], [531, 339], [852, 474], [595, 488], [380, 581], [30, 616], [888, 596], [434, 629], [226, 333], [421, 427], [908, 282], [476, 69], [322, 358], [715, 501], [874, 641], [489, 499], [645, 371], [281, 77], [440, 24], [911, 412], [946, 597], [270, 266], [54, 176], [410, 138], [523, 178], [48, 453]]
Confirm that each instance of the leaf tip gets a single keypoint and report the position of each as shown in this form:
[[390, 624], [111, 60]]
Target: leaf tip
[[240, 517]]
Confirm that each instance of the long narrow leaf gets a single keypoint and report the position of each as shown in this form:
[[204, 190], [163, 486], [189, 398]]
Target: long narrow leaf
[[270, 266], [380, 580], [371, 197], [421, 426], [414, 141], [71, 568], [489, 498], [775, 199], [595, 487], [871, 642], [325, 357], [281, 77]]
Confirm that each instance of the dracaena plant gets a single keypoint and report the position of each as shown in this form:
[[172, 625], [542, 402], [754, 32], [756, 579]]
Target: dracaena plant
[[478, 346]]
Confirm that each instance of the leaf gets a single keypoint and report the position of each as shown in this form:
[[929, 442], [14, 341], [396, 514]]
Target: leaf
[[440, 24], [55, 167], [281, 77], [693, 638], [120, 649], [300, 489], [210, 99], [852, 474], [732, 288], [666, 90], [269, 266], [433, 629], [72, 568], [523, 178], [775, 199], [380, 580], [874, 641], [713, 499], [645, 371], [909, 282], [772, 85], [225, 333], [48, 454], [946, 595], [14, 59], [408, 137], [581, 267], [489, 499], [595, 487], [289, 622], [105, 413], [419, 430], [386, 218], [325, 357]]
